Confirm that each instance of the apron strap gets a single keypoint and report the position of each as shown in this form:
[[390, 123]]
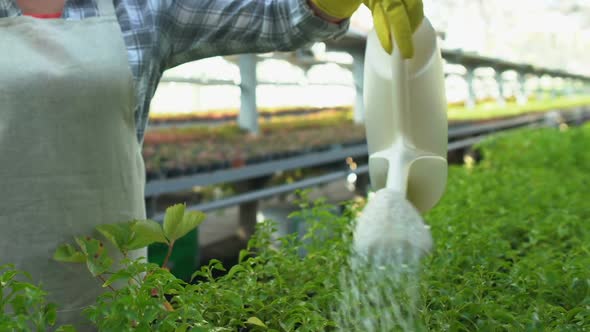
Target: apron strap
[[105, 7]]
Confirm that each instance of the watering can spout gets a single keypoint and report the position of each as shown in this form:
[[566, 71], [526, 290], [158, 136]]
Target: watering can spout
[[419, 175]]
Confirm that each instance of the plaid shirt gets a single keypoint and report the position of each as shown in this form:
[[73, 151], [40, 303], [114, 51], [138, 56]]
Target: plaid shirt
[[160, 34]]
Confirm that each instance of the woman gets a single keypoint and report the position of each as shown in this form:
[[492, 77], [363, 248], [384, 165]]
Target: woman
[[74, 96]]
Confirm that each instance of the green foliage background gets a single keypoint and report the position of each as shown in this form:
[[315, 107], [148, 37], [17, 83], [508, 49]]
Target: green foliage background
[[513, 238], [512, 251]]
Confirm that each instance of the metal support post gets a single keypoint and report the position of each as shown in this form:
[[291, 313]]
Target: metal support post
[[557, 86], [358, 72], [569, 87], [500, 82], [470, 77], [579, 87], [151, 205], [540, 90], [553, 88], [248, 211], [521, 97], [248, 117]]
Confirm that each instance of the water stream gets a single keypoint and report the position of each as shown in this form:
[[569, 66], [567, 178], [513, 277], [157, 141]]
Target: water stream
[[380, 285]]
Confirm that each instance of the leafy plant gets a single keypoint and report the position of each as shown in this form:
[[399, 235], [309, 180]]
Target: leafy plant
[[268, 277], [23, 306], [141, 303], [511, 254], [512, 249]]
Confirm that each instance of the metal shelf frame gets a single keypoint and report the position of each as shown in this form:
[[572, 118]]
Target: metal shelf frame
[[459, 138]]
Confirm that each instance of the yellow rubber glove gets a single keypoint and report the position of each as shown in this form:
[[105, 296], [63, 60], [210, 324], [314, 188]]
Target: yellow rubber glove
[[400, 17], [339, 9]]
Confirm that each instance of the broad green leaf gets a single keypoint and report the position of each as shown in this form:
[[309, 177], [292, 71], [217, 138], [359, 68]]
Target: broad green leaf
[[18, 286], [234, 298], [234, 270], [190, 221], [146, 232], [216, 264], [51, 313], [20, 304], [201, 329], [7, 277], [182, 328], [203, 272], [99, 266], [119, 234], [123, 274], [66, 328], [172, 220], [579, 290], [572, 313], [97, 260], [255, 321], [178, 222], [244, 255], [6, 267], [67, 253]]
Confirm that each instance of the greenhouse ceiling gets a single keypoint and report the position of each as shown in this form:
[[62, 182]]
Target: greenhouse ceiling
[[547, 33]]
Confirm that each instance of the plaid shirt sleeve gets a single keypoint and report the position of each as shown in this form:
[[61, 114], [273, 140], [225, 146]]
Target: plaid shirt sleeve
[[196, 29]]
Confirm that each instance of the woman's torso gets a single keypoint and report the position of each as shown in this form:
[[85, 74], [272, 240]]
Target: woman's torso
[[137, 21]]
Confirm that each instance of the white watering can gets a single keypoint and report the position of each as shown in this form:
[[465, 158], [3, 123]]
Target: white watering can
[[406, 128]]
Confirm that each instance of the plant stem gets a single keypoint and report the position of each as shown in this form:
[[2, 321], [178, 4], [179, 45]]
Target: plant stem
[[168, 254], [104, 280]]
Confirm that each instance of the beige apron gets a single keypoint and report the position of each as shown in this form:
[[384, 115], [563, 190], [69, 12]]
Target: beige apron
[[69, 157]]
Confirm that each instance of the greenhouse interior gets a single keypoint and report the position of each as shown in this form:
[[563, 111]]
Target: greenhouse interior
[[320, 180]]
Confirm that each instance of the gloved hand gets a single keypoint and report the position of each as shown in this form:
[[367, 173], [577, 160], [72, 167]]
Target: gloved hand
[[402, 17]]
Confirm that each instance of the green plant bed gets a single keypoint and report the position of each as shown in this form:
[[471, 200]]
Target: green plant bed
[[512, 239], [192, 150], [232, 114], [173, 152], [512, 251], [489, 110], [457, 111]]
